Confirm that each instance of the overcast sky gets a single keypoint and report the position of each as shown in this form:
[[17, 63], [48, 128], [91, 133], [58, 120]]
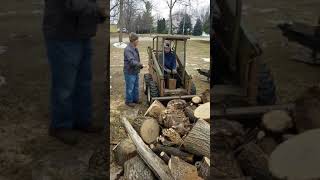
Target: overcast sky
[[160, 7]]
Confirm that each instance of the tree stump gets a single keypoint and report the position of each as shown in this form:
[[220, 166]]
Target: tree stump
[[124, 151], [297, 158], [203, 112], [135, 169], [254, 162], [182, 170], [148, 128], [155, 109], [198, 139]]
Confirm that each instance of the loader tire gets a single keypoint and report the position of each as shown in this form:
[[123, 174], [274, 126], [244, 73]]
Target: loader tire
[[152, 91], [266, 87], [146, 79]]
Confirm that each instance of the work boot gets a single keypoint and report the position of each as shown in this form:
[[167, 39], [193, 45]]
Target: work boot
[[90, 129], [130, 104], [67, 136]]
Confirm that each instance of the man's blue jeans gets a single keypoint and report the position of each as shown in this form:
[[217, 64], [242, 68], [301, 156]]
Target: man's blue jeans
[[132, 87], [70, 65]]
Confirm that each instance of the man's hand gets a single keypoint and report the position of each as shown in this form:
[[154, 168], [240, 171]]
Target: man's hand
[[167, 70], [174, 71]]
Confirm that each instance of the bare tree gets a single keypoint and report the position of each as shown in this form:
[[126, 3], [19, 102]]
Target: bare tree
[[171, 4]]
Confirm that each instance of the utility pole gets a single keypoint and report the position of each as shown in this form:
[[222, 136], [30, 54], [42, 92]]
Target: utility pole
[[185, 16], [121, 21]]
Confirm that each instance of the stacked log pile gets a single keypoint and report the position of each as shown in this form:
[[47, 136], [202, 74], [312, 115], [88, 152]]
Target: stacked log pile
[[172, 141]]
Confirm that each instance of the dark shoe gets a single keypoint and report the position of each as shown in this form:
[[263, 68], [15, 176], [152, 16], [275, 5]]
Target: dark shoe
[[67, 136], [137, 102], [130, 104], [90, 129]]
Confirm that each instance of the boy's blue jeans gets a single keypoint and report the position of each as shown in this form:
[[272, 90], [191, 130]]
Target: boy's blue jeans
[[70, 65], [132, 87]]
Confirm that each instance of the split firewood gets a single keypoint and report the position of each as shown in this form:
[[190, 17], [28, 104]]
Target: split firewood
[[135, 169], [172, 151], [268, 145], [177, 104], [155, 163], [297, 158], [189, 112], [148, 128], [155, 109], [124, 151], [254, 161], [196, 100], [172, 135], [176, 119], [182, 170], [164, 156], [277, 121], [204, 168], [198, 139], [203, 112]]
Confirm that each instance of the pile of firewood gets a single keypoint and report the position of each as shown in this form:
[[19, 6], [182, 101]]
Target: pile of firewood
[[171, 142]]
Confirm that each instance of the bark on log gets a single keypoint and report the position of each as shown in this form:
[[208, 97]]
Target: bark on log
[[175, 118], [124, 151], [156, 164], [148, 128], [198, 139], [177, 104], [172, 151], [182, 170], [155, 109], [254, 162], [135, 169], [164, 141], [203, 112], [190, 114], [205, 96], [164, 156], [297, 158], [204, 168]]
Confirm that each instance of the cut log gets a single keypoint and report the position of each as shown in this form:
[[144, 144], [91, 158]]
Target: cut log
[[155, 109], [196, 100], [175, 119], [135, 169], [124, 151], [182, 170], [155, 163], [204, 168], [268, 145], [227, 134], [177, 104], [224, 165], [172, 135], [198, 139], [203, 112], [297, 158], [172, 151], [148, 128], [277, 121], [254, 162], [205, 96], [164, 156], [190, 114]]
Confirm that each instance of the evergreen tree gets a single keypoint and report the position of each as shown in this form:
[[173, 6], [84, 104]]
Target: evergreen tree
[[197, 30], [206, 23], [186, 22], [161, 28]]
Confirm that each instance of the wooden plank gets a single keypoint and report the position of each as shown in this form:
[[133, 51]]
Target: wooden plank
[[155, 163]]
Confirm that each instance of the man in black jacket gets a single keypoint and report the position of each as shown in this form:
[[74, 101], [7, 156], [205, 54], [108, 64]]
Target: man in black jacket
[[68, 27]]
